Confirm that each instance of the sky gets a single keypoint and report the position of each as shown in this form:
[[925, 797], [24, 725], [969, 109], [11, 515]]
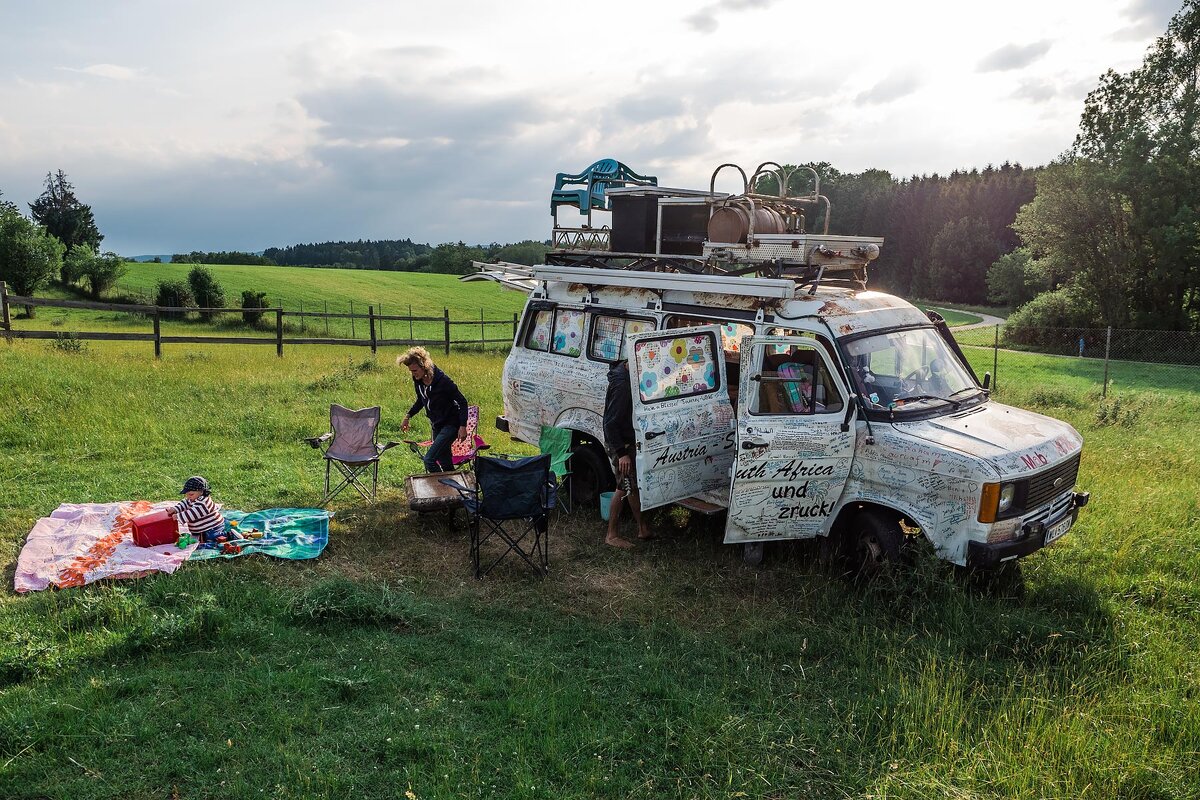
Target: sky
[[241, 125]]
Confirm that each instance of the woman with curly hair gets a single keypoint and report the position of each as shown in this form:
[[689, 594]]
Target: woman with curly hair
[[443, 403]]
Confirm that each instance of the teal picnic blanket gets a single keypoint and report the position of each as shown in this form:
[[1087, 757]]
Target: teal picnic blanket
[[293, 533]]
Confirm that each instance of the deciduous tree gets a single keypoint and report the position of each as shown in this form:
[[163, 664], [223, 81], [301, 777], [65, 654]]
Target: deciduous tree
[[29, 256]]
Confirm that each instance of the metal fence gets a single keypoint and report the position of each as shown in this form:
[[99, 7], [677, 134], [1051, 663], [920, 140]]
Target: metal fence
[[1103, 359]]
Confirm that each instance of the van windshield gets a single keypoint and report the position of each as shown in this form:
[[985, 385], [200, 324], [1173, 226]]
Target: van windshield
[[909, 370]]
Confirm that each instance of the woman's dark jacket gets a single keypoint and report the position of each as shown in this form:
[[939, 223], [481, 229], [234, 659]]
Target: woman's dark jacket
[[442, 401]]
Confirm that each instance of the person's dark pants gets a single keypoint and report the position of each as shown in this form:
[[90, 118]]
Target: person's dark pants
[[438, 457]]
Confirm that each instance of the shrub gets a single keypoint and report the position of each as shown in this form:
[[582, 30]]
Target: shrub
[[252, 299], [1044, 320], [76, 263], [206, 290], [67, 343], [103, 272], [174, 294]]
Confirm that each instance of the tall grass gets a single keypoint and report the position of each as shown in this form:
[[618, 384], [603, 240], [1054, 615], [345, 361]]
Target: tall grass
[[383, 668]]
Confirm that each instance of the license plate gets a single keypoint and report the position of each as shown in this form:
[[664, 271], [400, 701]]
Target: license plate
[[1058, 529]]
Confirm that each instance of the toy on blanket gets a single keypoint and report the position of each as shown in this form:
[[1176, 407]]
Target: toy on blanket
[[154, 529]]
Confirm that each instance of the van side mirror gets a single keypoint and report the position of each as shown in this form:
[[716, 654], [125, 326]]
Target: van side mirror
[[987, 381]]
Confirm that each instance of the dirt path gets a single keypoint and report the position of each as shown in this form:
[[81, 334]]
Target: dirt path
[[987, 321]]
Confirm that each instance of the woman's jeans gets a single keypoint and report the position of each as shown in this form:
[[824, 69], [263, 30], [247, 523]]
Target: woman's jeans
[[438, 457]]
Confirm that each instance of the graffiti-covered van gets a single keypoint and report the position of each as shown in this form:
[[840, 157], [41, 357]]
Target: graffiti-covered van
[[768, 381]]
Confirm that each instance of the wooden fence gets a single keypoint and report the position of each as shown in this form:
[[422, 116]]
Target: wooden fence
[[158, 313]]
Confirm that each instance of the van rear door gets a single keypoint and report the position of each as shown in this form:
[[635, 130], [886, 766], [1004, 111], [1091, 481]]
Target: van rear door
[[682, 419], [793, 458]]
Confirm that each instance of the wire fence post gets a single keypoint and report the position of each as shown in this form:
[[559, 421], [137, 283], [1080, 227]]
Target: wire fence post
[[371, 317], [157, 334], [996, 359], [410, 327], [302, 322], [326, 319], [446, 318], [482, 333], [1107, 345], [353, 335], [4, 307], [279, 331]]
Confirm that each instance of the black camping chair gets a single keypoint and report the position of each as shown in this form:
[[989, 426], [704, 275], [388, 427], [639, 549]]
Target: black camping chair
[[511, 501]]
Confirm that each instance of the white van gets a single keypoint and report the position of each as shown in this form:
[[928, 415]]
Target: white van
[[804, 409]]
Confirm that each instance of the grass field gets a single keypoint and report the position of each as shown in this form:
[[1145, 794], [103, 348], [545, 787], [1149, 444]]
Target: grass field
[[382, 668], [317, 290], [297, 288]]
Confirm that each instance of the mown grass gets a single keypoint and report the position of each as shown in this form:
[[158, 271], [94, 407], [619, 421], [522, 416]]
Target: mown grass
[[382, 667]]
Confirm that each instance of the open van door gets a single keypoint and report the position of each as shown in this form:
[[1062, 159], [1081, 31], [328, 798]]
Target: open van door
[[682, 419], [793, 456]]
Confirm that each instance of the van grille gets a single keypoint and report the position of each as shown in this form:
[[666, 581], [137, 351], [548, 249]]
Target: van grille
[[1051, 483]]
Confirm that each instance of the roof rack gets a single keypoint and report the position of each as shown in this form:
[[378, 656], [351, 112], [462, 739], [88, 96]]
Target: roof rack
[[754, 234]]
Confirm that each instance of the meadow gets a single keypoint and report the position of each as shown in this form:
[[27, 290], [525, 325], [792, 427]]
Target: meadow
[[383, 669], [317, 290], [298, 289]]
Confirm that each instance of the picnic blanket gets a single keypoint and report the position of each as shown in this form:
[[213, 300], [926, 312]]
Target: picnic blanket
[[86, 542], [292, 533]]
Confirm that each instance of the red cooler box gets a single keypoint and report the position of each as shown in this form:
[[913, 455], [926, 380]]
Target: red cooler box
[[155, 528]]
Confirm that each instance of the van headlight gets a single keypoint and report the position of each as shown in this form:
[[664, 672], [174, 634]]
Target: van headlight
[[1007, 492], [995, 500]]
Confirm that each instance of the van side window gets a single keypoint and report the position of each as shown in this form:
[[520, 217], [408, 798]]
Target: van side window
[[676, 365], [568, 332], [794, 380], [538, 335], [559, 331], [731, 332], [609, 333]]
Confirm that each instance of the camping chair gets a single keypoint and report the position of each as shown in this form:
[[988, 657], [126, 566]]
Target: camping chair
[[351, 446], [586, 190], [461, 452], [510, 502], [557, 443]]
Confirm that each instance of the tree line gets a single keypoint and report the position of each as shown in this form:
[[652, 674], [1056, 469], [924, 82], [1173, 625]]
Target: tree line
[[405, 255]]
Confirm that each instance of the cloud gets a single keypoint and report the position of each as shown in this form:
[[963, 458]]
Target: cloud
[[890, 88], [1148, 18], [1013, 56], [705, 19], [1035, 91], [111, 71]]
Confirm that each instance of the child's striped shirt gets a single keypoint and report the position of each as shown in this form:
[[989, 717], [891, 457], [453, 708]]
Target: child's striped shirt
[[201, 515]]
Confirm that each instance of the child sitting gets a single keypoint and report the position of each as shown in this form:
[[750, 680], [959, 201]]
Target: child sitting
[[198, 510]]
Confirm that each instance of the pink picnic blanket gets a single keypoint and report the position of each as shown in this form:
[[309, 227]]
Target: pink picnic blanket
[[86, 542]]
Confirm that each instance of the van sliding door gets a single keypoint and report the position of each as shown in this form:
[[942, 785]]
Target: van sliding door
[[682, 419]]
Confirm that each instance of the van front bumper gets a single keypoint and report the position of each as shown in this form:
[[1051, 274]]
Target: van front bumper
[[982, 554]]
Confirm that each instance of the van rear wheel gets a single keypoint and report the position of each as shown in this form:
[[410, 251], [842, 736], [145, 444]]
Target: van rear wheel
[[872, 543], [590, 474]]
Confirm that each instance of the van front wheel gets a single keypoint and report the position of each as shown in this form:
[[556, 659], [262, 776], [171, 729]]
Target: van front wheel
[[872, 542]]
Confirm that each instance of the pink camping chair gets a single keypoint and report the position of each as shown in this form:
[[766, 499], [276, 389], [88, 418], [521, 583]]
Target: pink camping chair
[[461, 452], [352, 447]]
